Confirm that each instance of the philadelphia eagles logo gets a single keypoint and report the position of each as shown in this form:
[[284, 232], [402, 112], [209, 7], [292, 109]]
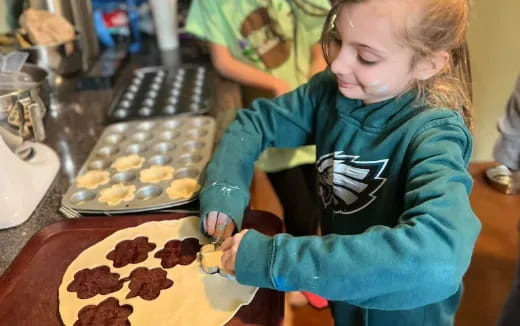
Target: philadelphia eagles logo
[[348, 185]]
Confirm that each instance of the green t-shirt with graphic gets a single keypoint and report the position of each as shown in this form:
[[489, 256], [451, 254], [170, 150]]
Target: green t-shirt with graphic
[[275, 36], [261, 32]]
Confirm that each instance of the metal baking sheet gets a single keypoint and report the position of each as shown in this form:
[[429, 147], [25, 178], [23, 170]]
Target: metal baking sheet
[[160, 91], [183, 142]]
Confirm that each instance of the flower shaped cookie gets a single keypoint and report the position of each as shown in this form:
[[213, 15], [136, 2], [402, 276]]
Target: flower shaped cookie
[[156, 173], [93, 179], [116, 194], [128, 162], [182, 188]]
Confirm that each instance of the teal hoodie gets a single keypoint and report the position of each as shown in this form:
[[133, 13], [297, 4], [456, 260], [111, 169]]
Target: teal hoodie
[[397, 223]]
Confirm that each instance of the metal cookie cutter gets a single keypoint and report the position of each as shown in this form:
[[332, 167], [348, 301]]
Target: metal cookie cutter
[[211, 260]]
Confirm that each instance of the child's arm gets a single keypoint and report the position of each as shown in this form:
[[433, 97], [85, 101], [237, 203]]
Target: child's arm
[[287, 121], [228, 66], [418, 262]]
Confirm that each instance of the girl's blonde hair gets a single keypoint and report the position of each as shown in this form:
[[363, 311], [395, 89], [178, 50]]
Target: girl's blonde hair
[[442, 26]]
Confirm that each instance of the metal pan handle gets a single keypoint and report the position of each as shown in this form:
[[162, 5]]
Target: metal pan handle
[[36, 117], [34, 111]]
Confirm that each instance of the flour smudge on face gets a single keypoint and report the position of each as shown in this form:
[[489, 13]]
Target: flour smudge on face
[[377, 87]]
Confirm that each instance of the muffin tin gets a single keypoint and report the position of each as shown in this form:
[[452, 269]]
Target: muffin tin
[[158, 91], [183, 142]]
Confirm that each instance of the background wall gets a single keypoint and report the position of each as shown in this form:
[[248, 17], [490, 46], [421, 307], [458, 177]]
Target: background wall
[[3, 19], [494, 41]]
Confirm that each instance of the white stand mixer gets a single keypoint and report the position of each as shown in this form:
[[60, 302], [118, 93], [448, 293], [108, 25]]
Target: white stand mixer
[[27, 168], [24, 183]]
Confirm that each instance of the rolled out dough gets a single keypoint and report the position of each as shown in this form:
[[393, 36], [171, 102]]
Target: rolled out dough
[[196, 298]]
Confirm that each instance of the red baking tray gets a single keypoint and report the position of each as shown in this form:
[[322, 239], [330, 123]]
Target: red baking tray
[[29, 287]]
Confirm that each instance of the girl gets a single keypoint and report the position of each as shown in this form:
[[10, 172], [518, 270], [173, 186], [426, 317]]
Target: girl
[[391, 123]]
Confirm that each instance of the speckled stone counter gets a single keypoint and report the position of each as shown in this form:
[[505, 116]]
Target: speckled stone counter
[[73, 125]]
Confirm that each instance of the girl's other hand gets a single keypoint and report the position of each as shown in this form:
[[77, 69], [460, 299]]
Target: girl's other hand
[[218, 226], [229, 252]]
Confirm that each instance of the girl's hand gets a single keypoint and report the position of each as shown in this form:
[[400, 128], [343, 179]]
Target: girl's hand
[[218, 226], [229, 252]]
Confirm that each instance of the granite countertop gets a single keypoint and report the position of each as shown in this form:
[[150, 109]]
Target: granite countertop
[[73, 125]]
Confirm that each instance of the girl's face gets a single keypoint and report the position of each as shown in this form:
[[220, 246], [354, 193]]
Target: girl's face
[[369, 60]]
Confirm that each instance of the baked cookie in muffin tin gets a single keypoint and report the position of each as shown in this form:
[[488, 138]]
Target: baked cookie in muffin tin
[[144, 165]]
